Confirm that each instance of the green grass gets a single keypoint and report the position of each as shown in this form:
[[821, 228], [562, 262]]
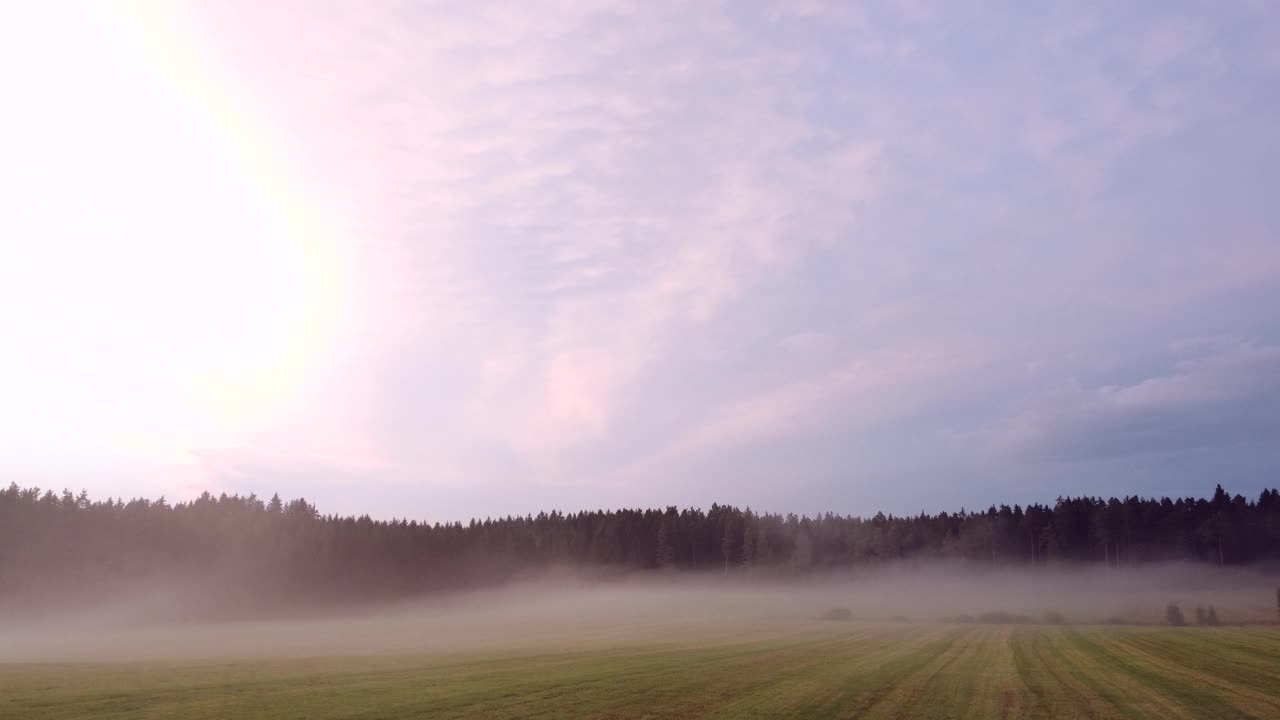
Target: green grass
[[818, 671]]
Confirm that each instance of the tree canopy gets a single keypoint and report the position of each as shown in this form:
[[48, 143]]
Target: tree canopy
[[51, 542]]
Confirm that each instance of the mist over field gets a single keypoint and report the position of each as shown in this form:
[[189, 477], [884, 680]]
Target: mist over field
[[568, 609]]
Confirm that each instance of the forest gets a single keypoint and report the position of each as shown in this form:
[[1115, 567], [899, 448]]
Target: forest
[[55, 545]]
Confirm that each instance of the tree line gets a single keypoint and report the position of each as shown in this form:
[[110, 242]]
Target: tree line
[[52, 543]]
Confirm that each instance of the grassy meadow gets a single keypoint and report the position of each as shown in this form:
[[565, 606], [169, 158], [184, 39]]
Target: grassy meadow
[[809, 669]]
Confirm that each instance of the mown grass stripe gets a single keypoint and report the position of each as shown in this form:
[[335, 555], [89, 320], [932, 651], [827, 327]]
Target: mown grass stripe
[[910, 697], [1133, 698], [1184, 655], [1201, 701]]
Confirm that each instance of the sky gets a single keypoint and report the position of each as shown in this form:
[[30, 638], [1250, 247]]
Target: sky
[[456, 259]]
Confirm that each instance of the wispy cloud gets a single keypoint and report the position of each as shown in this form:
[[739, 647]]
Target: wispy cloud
[[586, 186], [1222, 393], [803, 405]]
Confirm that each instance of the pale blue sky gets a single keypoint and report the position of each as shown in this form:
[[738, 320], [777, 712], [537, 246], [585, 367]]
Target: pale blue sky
[[800, 256]]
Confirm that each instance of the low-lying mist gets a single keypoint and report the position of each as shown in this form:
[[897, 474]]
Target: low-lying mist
[[565, 609]]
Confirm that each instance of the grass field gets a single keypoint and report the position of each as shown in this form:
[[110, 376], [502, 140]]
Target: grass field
[[819, 670]]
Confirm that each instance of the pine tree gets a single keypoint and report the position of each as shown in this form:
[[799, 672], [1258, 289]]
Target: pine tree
[[664, 555], [749, 540], [727, 544]]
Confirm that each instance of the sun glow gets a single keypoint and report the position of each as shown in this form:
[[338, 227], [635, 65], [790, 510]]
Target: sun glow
[[162, 268]]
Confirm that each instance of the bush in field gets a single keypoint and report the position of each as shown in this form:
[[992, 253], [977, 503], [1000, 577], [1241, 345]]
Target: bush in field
[[1116, 620], [1207, 617], [1173, 615], [998, 617], [1053, 617], [899, 619], [839, 613], [1002, 618]]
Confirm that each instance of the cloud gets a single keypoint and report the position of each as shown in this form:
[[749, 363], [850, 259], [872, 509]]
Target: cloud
[[805, 342], [805, 404], [1224, 393], [618, 239], [552, 199]]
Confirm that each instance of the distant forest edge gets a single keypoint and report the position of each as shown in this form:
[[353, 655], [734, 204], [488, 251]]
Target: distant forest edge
[[51, 544]]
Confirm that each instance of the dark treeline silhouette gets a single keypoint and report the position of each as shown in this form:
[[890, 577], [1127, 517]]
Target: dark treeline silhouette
[[51, 544]]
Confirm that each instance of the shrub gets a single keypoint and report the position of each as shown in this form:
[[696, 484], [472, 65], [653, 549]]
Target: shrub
[[839, 613], [1002, 618], [899, 619], [1053, 617], [1173, 615], [1211, 618]]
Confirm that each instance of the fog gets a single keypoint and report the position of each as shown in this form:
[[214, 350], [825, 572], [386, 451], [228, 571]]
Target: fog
[[565, 610]]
